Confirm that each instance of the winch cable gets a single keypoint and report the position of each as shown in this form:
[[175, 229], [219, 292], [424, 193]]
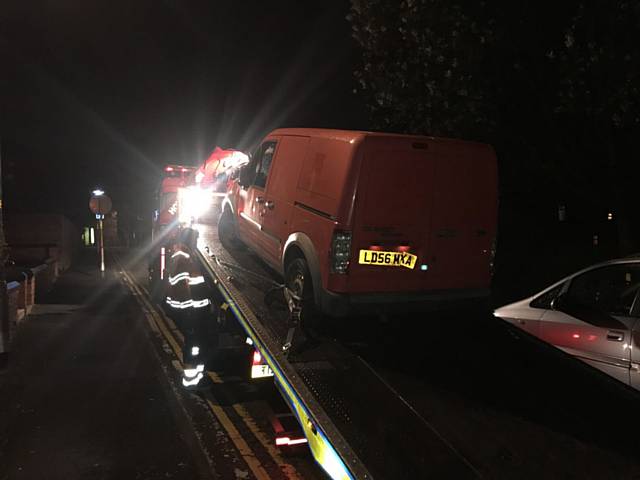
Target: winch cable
[[233, 266], [294, 317]]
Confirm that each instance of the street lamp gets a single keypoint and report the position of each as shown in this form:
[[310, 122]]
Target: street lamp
[[100, 205]]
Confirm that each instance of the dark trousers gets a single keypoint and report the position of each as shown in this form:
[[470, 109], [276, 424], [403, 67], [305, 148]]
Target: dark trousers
[[196, 326]]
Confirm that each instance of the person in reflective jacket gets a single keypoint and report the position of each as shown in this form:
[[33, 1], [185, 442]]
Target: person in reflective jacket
[[187, 297]]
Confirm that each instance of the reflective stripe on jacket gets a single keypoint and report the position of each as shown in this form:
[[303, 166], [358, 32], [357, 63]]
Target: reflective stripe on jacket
[[186, 287]]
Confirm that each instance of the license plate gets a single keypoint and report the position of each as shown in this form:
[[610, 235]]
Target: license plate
[[387, 259], [261, 371]]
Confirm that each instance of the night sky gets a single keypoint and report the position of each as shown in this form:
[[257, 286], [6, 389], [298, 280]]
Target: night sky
[[104, 93]]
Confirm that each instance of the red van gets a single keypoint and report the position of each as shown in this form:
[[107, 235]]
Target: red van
[[358, 221]]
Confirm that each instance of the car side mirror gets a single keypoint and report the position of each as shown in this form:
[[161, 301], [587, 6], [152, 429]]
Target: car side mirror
[[558, 302]]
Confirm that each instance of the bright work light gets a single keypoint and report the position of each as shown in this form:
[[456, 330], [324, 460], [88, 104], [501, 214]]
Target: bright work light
[[193, 202]]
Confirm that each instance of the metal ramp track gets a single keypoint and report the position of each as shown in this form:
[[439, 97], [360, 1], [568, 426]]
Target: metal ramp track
[[327, 445]]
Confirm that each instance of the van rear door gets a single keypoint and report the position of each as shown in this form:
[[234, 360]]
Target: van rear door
[[394, 206], [426, 198], [464, 220]]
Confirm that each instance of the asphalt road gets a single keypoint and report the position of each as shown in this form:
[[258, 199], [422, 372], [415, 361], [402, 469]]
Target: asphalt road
[[512, 406], [84, 395], [91, 392], [230, 414]]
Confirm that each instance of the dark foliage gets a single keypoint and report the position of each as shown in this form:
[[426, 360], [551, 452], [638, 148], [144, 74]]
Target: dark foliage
[[554, 86]]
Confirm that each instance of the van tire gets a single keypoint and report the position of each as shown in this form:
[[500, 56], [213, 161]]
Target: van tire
[[297, 279], [227, 233]]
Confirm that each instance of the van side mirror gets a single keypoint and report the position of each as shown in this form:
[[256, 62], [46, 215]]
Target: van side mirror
[[245, 177]]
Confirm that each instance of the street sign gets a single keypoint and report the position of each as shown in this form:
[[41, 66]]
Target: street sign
[[100, 204]]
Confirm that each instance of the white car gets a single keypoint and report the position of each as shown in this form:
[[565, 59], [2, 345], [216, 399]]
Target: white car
[[592, 315]]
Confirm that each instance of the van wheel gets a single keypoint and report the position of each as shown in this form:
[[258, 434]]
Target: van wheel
[[300, 289], [227, 230]]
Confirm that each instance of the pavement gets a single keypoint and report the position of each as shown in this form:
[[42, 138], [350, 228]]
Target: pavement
[[84, 395]]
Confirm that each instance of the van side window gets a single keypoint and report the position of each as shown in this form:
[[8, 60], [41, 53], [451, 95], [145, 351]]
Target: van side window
[[266, 156]]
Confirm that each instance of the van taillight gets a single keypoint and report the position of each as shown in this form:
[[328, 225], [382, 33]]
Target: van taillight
[[401, 248], [340, 251], [257, 358]]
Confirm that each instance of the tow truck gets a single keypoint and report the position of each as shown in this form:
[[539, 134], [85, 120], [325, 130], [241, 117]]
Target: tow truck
[[174, 178], [355, 424]]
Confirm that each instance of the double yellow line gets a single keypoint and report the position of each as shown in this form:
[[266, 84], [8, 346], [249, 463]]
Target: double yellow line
[[160, 323]]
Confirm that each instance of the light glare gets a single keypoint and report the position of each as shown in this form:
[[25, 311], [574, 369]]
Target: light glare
[[193, 202]]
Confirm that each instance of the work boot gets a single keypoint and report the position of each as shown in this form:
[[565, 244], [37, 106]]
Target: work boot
[[194, 377]]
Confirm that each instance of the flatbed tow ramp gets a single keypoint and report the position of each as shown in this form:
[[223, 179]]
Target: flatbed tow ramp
[[357, 426]]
